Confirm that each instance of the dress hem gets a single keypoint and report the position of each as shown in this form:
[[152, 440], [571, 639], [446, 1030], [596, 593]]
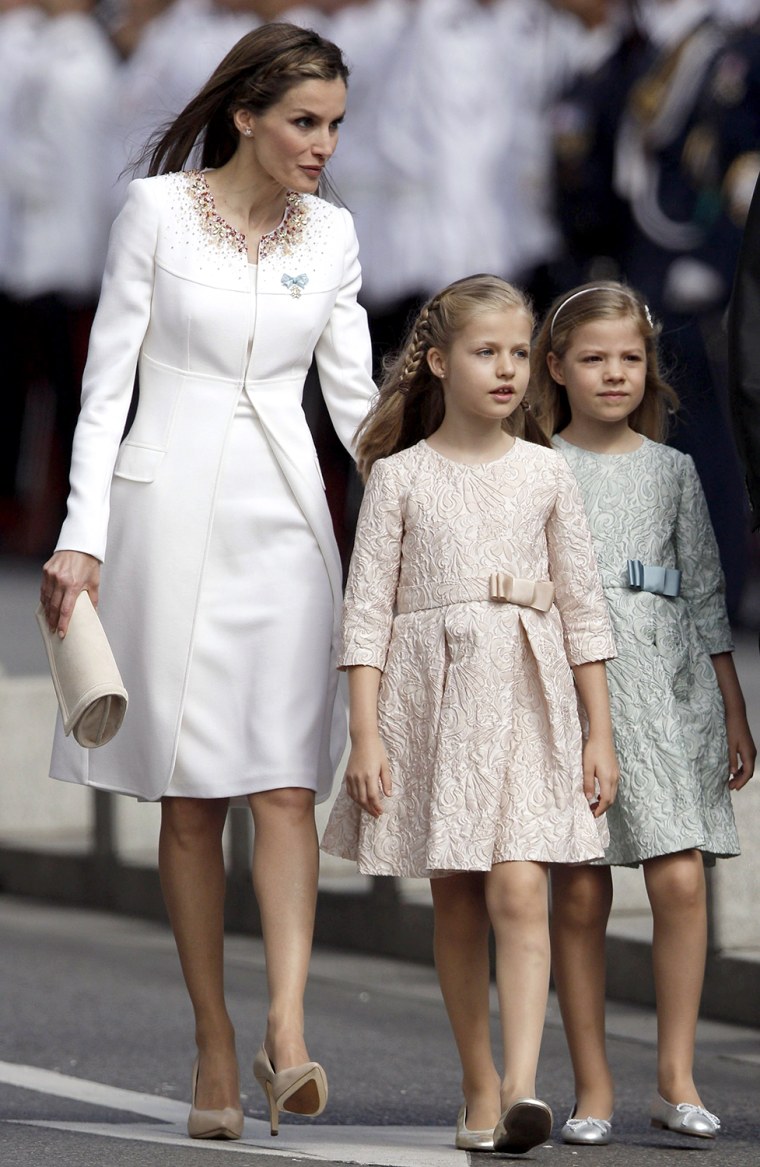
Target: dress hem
[[400, 871], [709, 855]]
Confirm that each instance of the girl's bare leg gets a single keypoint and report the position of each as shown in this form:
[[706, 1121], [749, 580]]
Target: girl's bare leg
[[517, 902], [581, 902], [462, 927], [285, 874], [676, 889], [191, 866]]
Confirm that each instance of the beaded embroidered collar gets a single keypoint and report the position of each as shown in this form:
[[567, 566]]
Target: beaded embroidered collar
[[283, 238]]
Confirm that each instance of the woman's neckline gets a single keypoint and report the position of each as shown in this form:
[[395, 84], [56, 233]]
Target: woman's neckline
[[596, 454], [471, 465], [292, 198]]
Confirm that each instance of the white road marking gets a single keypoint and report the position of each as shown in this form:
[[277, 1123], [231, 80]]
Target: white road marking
[[82, 1090], [383, 1146], [368, 1146], [173, 1136]]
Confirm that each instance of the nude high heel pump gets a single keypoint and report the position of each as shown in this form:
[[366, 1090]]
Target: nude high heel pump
[[213, 1124], [299, 1090]]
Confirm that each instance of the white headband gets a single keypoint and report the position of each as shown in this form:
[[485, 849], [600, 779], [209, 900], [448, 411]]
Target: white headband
[[574, 296], [596, 288]]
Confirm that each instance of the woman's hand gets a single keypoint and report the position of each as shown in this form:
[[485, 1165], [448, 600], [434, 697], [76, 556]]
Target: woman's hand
[[64, 576], [368, 776], [600, 774]]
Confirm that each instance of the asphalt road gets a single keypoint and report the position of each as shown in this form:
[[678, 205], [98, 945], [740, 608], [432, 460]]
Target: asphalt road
[[96, 1051]]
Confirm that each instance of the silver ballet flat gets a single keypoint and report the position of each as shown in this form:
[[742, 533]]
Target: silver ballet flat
[[587, 1132], [526, 1123], [467, 1140], [684, 1118]]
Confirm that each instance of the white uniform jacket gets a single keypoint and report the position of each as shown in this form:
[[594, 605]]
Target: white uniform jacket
[[177, 304], [54, 170]]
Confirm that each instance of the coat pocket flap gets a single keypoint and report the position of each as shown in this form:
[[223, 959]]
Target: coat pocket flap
[[138, 463]]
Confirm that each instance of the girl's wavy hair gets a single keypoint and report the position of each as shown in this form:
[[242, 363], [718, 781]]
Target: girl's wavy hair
[[409, 405], [256, 73], [605, 300]]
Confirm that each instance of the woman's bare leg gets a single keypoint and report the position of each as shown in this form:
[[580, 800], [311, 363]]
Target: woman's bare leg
[[191, 866], [676, 889], [462, 927], [517, 902], [285, 874], [581, 903]]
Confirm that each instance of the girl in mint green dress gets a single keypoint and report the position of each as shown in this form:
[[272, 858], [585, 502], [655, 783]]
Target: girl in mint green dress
[[679, 720]]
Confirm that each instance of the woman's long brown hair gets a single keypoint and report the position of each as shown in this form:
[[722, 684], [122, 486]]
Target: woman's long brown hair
[[255, 75]]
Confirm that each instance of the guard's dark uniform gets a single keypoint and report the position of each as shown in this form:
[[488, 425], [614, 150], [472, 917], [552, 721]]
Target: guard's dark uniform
[[737, 137], [596, 223]]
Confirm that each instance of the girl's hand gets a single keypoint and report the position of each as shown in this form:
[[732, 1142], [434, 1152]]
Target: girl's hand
[[368, 776], [64, 576], [741, 748], [741, 751], [600, 775], [600, 767]]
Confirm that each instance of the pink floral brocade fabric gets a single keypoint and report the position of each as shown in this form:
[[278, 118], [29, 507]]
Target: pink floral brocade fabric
[[478, 709]]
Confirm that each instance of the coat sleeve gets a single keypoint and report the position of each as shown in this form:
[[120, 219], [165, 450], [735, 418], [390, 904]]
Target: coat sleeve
[[343, 351], [703, 586], [744, 355], [574, 572], [117, 334], [374, 573]]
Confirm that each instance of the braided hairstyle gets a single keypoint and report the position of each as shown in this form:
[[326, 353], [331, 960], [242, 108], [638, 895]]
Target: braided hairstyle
[[409, 405], [604, 300], [256, 73]]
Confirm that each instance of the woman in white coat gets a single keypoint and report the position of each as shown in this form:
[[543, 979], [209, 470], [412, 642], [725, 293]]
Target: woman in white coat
[[221, 583]]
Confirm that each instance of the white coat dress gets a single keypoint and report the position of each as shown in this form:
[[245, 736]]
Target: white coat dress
[[178, 303]]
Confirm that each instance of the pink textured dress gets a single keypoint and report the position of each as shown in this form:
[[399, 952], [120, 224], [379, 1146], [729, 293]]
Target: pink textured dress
[[478, 709]]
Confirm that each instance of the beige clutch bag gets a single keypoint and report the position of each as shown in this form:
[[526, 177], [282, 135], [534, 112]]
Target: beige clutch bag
[[89, 688]]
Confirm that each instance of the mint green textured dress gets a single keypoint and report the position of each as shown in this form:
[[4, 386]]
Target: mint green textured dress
[[667, 709]]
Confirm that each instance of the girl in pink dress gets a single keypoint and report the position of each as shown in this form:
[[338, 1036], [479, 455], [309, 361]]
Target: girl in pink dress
[[474, 617]]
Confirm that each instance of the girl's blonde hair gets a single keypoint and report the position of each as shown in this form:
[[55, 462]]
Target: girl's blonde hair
[[409, 405], [607, 300]]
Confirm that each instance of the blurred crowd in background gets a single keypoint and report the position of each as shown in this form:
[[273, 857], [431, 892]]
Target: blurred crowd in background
[[547, 141]]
